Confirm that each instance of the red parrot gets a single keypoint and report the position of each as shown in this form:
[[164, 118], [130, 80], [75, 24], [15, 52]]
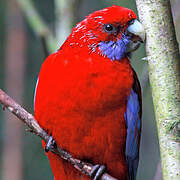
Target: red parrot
[[88, 96]]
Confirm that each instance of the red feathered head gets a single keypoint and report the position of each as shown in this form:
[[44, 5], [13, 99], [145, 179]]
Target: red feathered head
[[114, 31]]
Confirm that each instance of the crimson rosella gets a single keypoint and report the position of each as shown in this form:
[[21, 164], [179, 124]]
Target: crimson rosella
[[88, 96]]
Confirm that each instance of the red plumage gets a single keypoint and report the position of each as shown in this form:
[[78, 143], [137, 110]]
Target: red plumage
[[81, 98]]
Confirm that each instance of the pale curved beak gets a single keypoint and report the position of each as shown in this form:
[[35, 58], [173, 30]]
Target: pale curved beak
[[137, 33], [137, 29]]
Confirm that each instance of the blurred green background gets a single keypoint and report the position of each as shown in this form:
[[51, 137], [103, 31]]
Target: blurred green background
[[21, 56]]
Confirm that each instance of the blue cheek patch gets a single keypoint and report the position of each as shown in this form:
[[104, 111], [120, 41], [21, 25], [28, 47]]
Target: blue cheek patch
[[115, 50]]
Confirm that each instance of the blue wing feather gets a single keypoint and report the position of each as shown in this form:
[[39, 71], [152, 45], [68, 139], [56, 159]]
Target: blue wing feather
[[133, 122]]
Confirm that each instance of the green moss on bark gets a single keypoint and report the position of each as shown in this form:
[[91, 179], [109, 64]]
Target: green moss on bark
[[164, 72]]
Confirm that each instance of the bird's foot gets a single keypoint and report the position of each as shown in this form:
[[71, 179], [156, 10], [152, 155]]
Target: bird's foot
[[50, 145], [97, 171]]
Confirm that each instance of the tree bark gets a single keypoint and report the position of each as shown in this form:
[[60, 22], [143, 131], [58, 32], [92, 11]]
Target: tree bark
[[164, 72]]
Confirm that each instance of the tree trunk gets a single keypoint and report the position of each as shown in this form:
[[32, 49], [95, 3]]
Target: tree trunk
[[14, 84], [164, 72]]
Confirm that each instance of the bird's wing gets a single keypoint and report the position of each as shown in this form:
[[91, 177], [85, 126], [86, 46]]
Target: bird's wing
[[133, 122]]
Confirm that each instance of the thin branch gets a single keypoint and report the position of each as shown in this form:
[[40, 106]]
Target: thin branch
[[30, 121], [64, 17], [37, 24]]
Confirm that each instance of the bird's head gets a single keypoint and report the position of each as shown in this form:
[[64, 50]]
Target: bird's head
[[113, 32]]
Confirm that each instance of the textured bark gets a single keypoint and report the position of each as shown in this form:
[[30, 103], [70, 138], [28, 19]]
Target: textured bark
[[164, 72]]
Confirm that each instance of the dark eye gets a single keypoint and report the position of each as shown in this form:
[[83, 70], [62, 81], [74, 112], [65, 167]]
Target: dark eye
[[131, 22], [109, 28]]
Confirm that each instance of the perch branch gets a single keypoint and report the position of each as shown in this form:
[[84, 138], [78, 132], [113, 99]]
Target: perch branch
[[29, 120]]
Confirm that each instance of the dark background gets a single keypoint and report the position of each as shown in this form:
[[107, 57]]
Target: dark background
[[21, 155]]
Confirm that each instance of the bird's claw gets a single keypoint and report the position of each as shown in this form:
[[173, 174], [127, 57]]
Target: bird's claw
[[97, 171], [50, 145]]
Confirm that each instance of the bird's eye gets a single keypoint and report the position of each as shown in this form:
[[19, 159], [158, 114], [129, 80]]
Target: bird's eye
[[131, 22], [109, 28]]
